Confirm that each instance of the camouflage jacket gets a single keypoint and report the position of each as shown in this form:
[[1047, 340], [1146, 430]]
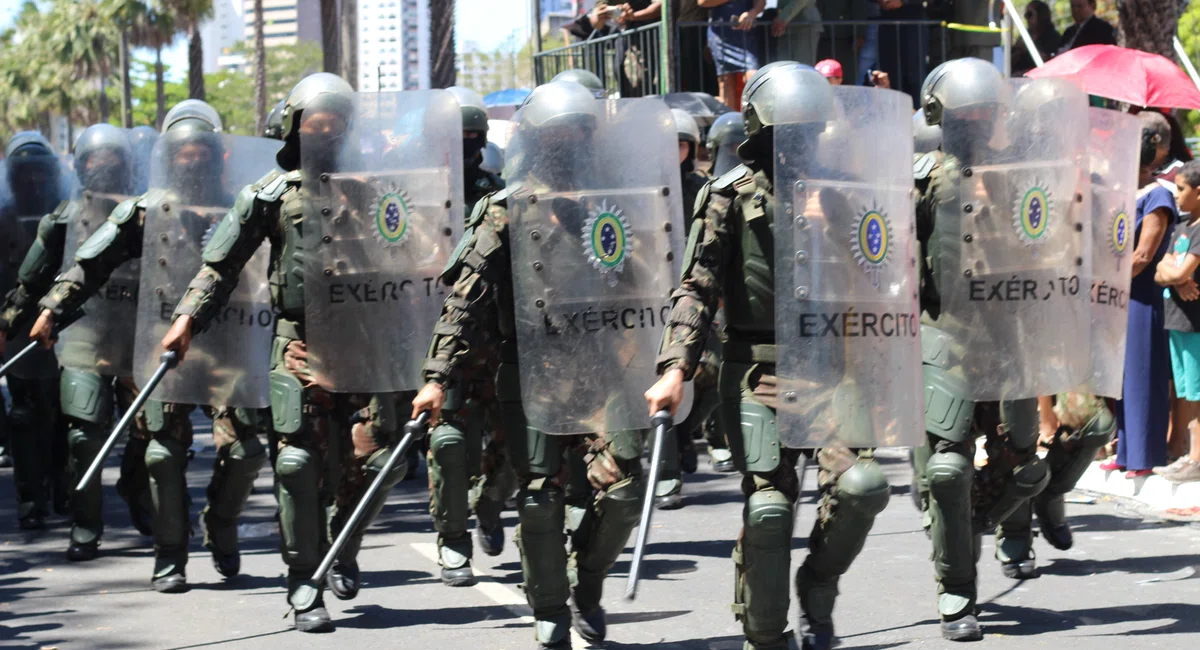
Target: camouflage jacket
[[692, 183], [271, 209], [733, 219], [115, 242], [477, 314], [42, 263], [930, 173]]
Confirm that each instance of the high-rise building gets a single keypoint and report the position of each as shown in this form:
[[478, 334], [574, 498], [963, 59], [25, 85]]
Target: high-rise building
[[393, 45], [285, 21], [221, 32]]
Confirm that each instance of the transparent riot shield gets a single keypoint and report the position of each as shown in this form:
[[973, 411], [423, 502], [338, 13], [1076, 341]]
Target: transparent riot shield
[[35, 185], [102, 340], [229, 363], [1113, 148], [846, 311], [597, 241], [384, 185], [1010, 249]]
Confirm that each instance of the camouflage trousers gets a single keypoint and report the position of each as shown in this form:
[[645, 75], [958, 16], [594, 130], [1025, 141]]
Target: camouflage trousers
[[328, 443], [37, 442], [85, 437], [489, 473]]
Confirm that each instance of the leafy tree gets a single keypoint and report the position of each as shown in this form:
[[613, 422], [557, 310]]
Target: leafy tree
[[230, 92]]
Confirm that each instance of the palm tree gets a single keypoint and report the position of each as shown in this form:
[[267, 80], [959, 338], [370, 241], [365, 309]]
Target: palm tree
[[347, 44], [329, 36], [188, 15], [442, 72], [260, 71], [83, 37]]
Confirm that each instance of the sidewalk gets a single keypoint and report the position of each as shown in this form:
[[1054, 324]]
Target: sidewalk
[[1162, 497]]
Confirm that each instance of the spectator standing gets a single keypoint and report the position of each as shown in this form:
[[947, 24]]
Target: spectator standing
[[1045, 38], [734, 44], [695, 66], [902, 48], [797, 42], [1178, 272], [831, 70], [1088, 29], [1144, 408]]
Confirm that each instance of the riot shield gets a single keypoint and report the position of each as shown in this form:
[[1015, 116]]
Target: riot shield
[[229, 363], [35, 186], [1014, 314], [597, 241], [387, 195], [102, 340], [1113, 148], [846, 312]]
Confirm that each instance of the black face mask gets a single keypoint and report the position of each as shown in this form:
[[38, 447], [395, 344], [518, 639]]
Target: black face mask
[[473, 152], [112, 179]]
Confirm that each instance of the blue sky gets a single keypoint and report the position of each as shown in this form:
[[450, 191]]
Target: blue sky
[[489, 23]]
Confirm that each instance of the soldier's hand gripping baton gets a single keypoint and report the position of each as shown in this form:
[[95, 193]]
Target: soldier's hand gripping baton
[[412, 431], [662, 424], [169, 360], [58, 328]]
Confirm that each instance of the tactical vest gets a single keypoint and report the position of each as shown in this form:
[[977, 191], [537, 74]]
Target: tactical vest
[[749, 285], [287, 265]]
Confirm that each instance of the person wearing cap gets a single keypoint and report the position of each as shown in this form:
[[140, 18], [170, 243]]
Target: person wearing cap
[[831, 70]]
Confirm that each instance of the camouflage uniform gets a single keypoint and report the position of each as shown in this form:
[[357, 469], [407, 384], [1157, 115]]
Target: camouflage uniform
[[36, 437], [87, 426], [235, 432], [730, 248], [477, 322], [321, 462], [470, 416]]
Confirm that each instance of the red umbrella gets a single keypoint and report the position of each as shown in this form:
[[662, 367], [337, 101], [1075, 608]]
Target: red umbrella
[[1130, 76]]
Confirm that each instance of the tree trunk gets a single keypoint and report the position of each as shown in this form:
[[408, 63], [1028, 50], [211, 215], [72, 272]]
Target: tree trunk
[[260, 71], [160, 94], [103, 99], [349, 39], [126, 84], [442, 73], [1149, 25], [70, 129], [329, 36], [195, 64]]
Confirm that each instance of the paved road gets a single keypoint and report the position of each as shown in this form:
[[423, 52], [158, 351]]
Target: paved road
[[1128, 583]]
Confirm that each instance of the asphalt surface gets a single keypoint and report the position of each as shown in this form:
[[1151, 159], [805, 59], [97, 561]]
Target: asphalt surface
[[1130, 582]]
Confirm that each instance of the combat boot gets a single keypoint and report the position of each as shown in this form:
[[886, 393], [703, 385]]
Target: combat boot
[[83, 551], [455, 558], [668, 494], [308, 602], [1014, 544], [491, 542], [1052, 520], [589, 624], [343, 580], [554, 634], [721, 460]]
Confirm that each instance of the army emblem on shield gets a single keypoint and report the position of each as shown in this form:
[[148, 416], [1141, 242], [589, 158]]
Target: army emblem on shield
[[1033, 210], [392, 215], [1119, 233], [606, 240], [871, 242]]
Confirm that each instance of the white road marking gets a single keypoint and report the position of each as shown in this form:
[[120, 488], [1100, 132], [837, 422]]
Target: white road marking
[[498, 593]]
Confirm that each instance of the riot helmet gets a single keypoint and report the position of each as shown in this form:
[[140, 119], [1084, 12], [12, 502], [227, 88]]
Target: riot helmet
[[687, 131], [585, 78], [786, 94], [142, 139], [192, 153], [724, 136], [33, 174], [1036, 124], [104, 159], [474, 124], [966, 97], [274, 127], [926, 137], [324, 98], [556, 126]]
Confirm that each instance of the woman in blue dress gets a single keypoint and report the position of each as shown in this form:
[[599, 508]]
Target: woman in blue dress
[[1144, 410], [734, 43]]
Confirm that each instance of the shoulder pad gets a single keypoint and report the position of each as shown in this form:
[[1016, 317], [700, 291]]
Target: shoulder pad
[[95, 246], [65, 213], [272, 186], [923, 165], [243, 205], [726, 182], [125, 209]]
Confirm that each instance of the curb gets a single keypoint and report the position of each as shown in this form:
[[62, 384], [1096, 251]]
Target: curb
[[1154, 492]]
